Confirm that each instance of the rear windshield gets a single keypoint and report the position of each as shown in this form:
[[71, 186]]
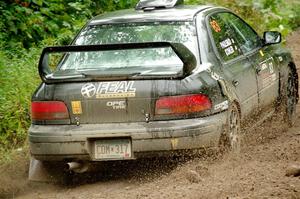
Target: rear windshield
[[148, 61]]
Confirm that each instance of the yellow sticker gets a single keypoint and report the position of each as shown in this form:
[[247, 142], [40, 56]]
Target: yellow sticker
[[261, 53], [76, 107]]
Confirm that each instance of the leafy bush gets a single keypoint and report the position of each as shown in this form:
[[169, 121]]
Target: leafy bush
[[30, 21]]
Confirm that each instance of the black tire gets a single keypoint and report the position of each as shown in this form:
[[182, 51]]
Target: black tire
[[231, 138], [290, 99]]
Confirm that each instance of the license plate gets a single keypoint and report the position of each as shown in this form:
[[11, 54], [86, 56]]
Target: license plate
[[113, 149]]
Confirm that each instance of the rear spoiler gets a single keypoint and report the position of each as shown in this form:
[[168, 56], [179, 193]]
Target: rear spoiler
[[186, 56]]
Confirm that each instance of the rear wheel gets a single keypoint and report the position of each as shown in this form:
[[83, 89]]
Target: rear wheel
[[231, 138]]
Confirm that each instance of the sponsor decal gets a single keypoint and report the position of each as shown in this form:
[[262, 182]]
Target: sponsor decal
[[116, 89], [76, 107], [116, 105], [214, 24], [106, 90], [268, 63], [229, 51], [226, 43], [215, 76], [222, 106], [88, 90]]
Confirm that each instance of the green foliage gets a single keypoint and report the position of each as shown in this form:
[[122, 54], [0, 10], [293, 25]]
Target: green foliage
[[280, 15], [18, 78], [30, 21], [28, 25]]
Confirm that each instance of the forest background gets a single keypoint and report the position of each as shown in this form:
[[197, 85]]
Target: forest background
[[27, 26]]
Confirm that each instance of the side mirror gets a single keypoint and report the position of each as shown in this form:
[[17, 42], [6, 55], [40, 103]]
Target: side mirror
[[272, 37]]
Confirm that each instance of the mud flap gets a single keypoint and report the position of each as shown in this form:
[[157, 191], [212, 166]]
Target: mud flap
[[40, 172]]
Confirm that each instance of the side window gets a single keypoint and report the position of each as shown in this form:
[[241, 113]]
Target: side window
[[224, 37], [246, 36]]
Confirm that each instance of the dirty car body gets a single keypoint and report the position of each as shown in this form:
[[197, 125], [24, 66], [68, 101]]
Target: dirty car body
[[155, 79]]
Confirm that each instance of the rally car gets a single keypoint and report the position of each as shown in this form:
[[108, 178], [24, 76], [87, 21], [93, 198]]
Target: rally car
[[161, 77]]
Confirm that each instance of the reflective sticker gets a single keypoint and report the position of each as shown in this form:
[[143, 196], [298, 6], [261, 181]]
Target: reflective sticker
[[116, 105], [76, 107], [261, 53], [229, 51], [105, 90], [226, 43], [222, 106], [214, 24]]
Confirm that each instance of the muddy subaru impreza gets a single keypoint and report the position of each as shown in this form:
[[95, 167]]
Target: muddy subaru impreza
[[161, 77]]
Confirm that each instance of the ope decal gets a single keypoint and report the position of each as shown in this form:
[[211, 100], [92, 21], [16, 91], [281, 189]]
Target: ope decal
[[116, 105]]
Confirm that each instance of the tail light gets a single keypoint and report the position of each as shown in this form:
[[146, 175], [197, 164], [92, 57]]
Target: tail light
[[49, 110], [182, 104]]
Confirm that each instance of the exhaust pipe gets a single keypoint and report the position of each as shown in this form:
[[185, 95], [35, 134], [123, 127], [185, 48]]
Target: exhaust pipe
[[77, 167]]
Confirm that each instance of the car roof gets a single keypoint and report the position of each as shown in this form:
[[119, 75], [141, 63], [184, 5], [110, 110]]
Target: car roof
[[178, 13]]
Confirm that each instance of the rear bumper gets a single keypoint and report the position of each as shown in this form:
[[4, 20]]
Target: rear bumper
[[69, 142]]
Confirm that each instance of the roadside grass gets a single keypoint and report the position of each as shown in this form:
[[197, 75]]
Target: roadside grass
[[8, 156], [19, 76], [18, 79]]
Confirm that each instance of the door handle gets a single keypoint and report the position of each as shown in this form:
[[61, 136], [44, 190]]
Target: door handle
[[235, 83]]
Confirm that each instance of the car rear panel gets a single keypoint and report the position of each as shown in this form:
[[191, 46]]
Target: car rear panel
[[107, 101], [123, 101]]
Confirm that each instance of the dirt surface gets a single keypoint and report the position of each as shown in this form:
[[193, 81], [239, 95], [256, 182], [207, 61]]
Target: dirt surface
[[259, 171]]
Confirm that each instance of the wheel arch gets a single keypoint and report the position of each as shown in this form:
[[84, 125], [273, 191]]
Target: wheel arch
[[293, 68], [228, 91], [283, 77], [238, 106]]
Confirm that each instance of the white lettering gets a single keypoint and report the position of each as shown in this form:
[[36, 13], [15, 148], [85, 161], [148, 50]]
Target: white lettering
[[116, 105], [116, 89], [103, 87]]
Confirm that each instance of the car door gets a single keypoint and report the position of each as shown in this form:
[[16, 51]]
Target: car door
[[261, 59], [236, 66]]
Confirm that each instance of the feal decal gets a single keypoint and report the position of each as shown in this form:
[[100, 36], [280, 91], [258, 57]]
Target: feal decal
[[106, 90]]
